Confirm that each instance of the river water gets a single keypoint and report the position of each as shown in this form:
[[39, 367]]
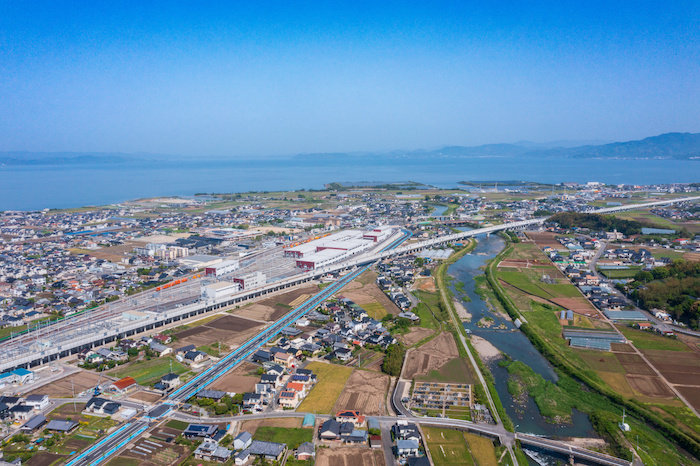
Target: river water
[[512, 342]]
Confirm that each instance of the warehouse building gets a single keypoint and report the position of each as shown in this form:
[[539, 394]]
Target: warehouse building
[[219, 290], [222, 268], [251, 280]]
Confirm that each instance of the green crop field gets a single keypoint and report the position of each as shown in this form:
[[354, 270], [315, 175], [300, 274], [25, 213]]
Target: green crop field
[[651, 341], [455, 371], [149, 372], [621, 273], [292, 436]]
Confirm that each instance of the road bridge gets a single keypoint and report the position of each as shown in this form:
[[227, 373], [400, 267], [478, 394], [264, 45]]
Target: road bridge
[[74, 339]]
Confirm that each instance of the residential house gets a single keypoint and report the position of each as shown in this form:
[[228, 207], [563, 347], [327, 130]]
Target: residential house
[[33, 424], [242, 441], [121, 386], [211, 451], [61, 425], [193, 357], [288, 399], [97, 405], [38, 402], [306, 451], [271, 451], [330, 430], [353, 417], [407, 447], [242, 457], [160, 349], [200, 431], [21, 412]]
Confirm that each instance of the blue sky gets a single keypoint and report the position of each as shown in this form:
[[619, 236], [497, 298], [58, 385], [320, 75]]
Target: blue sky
[[267, 78]]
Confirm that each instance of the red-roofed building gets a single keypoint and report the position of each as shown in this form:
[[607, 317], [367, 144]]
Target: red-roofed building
[[123, 385], [297, 387]]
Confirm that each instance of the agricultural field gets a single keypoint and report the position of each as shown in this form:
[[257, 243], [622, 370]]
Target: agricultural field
[[414, 335], [432, 356], [365, 293], [629, 272], [241, 379], [453, 447], [229, 330], [292, 436], [365, 392], [651, 341], [546, 239], [150, 452], [280, 422], [331, 381], [149, 372], [274, 307], [72, 384], [349, 456]]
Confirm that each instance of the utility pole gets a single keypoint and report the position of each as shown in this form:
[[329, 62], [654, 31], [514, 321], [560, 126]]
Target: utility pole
[[72, 389]]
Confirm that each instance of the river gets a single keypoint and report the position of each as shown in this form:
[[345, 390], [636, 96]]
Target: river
[[512, 342]]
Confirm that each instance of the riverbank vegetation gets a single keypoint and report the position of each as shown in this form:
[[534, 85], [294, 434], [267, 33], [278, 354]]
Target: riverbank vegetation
[[584, 386]]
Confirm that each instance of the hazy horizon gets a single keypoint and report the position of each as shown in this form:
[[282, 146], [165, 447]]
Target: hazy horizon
[[278, 79]]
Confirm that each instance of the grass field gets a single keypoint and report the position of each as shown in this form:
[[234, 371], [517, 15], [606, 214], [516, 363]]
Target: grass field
[[149, 372], [375, 310], [175, 424], [651, 341], [530, 283], [427, 303], [293, 437], [331, 380], [481, 448], [447, 447], [455, 371], [621, 273]]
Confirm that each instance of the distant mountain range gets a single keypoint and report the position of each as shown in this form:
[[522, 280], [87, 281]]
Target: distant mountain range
[[679, 146], [671, 146]]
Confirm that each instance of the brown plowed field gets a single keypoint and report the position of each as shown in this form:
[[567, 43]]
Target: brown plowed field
[[650, 386], [238, 381], [363, 290], [544, 239], [621, 348], [365, 392], [683, 358], [426, 284], [143, 395], [415, 335], [44, 458], [578, 305], [630, 359], [692, 394], [230, 330], [61, 388], [349, 456], [431, 356], [269, 309], [682, 378]]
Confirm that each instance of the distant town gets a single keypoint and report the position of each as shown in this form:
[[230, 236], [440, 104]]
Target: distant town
[[379, 323]]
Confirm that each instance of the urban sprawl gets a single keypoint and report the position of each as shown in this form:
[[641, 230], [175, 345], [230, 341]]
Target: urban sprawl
[[331, 327]]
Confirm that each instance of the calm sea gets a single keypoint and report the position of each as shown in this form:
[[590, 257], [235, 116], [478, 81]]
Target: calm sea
[[38, 187]]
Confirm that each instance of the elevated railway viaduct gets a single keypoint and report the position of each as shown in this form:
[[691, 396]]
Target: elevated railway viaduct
[[49, 352]]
